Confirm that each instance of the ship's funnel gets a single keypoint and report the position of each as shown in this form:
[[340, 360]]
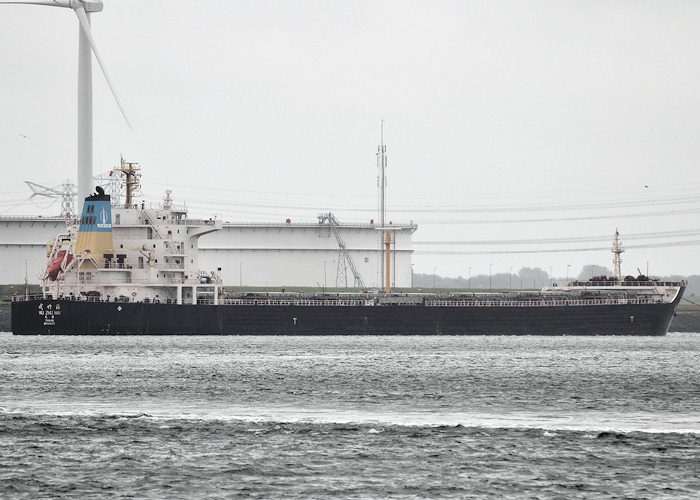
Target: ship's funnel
[[95, 233]]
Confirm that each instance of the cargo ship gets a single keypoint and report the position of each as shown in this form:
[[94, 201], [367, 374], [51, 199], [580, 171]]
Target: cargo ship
[[131, 269]]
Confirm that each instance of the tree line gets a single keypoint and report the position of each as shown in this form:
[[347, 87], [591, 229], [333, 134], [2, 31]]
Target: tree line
[[528, 278]]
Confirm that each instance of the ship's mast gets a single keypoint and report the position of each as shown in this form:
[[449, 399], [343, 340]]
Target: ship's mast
[[132, 182], [617, 251]]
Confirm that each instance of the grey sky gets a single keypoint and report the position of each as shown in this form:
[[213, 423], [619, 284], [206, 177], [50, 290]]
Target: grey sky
[[541, 114]]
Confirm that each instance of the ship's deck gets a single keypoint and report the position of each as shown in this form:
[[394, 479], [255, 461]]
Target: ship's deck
[[590, 294]]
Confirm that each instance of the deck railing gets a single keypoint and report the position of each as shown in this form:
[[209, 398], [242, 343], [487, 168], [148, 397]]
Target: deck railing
[[624, 284], [539, 303]]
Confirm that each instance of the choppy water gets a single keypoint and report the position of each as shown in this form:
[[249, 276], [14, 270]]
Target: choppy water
[[350, 417]]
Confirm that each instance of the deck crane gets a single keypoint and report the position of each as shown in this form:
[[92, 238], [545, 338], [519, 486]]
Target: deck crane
[[344, 257]]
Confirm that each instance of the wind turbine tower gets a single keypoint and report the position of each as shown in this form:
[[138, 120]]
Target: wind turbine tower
[[86, 47]]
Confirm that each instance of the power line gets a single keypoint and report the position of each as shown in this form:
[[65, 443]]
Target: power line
[[414, 208], [561, 219], [553, 250], [575, 239]]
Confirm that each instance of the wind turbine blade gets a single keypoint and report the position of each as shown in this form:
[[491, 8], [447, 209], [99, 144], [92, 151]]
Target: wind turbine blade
[[50, 3], [85, 25]]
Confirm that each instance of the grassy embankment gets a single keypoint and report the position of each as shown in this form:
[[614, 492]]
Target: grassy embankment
[[7, 291]]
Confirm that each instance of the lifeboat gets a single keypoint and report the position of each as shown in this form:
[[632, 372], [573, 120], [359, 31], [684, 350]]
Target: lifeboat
[[58, 263]]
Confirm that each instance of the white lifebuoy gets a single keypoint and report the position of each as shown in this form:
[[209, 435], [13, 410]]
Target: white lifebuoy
[[133, 294]]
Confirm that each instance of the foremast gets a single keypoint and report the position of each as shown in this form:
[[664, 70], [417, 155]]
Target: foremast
[[617, 250]]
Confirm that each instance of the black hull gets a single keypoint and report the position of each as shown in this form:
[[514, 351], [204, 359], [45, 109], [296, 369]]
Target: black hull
[[59, 317]]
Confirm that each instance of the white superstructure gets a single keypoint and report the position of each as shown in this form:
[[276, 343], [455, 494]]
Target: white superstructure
[[130, 252]]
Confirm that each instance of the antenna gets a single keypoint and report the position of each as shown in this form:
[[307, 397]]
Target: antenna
[[381, 184], [381, 179]]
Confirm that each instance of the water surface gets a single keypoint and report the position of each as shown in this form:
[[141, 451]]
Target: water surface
[[350, 417]]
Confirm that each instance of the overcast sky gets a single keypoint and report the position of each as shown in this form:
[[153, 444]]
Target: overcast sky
[[518, 133]]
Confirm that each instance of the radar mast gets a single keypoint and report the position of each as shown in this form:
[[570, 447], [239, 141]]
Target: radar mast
[[132, 180]]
